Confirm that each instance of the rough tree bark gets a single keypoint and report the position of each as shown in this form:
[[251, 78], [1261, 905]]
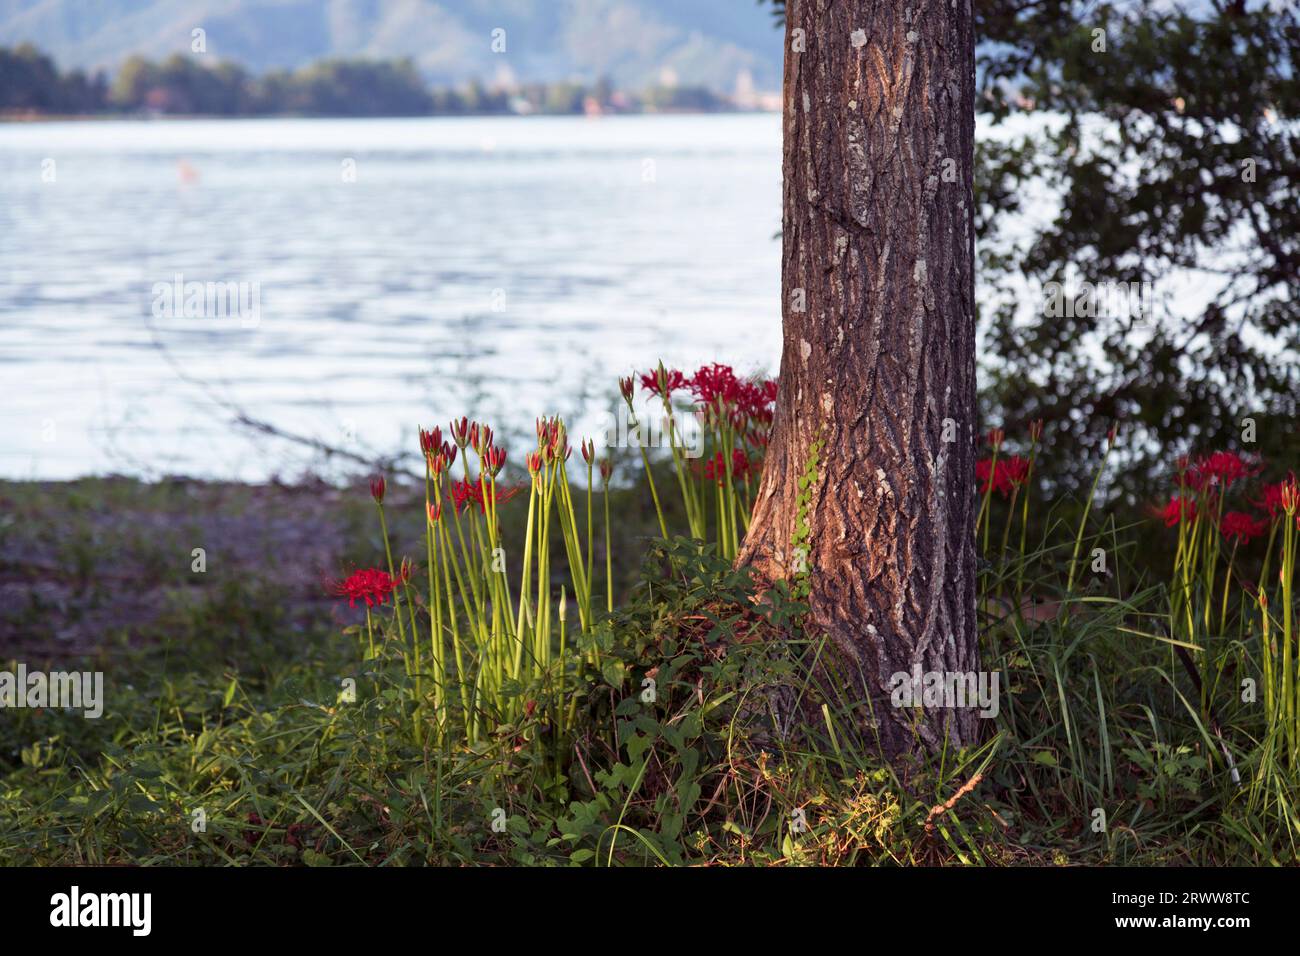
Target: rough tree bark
[[878, 362]]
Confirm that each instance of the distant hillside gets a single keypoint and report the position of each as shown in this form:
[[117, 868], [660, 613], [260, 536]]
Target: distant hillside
[[636, 43]]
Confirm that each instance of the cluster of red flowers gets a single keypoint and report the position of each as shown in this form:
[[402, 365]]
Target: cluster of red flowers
[[1279, 497], [723, 400], [1240, 527], [440, 455], [722, 397], [718, 390], [1009, 473], [1004, 475], [717, 386], [672, 381], [1207, 477], [1180, 508], [1217, 471], [715, 469], [369, 584]]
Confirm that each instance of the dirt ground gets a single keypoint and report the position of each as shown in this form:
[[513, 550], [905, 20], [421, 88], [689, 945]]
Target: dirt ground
[[90, 565]]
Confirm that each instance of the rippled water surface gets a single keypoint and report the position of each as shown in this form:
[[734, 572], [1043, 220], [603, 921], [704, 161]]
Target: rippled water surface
[[504, 268]]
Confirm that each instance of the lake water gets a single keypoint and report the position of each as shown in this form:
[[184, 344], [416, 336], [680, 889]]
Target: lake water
[[394, 273]]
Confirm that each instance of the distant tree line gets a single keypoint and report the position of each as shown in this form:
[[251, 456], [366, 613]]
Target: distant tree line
[[30, 82]]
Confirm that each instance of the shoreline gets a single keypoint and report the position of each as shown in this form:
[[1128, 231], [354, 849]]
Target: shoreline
[[22, 118], [108, 566]]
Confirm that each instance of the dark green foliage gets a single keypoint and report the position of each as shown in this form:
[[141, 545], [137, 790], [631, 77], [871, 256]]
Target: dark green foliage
[[1198, 170], [29, 80]]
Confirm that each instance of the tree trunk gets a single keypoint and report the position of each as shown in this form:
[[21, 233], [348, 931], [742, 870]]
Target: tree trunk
[[877, 389]]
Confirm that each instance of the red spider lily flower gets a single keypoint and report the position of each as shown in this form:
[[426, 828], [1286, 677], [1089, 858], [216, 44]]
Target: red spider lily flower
[[606, 469], [1015, 472], [1239, 526], [1009, 474], [494, 459], [755, 394], [548, 430], [1036, 430], [716, 385], [404, 572], [740, 464], [588, 451], [1271, 503], [443, 459], [430, 441], [750, 399], [370, 585], [552, 438], [716, 469], [434, 512], [1229, 466], [377, 488], [460, 432], [1290, 495], [761, 417], [628, 387], [1180, 508], [996, 437], [534, 459], [465, 492], [1218, 470], [663, 382]]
